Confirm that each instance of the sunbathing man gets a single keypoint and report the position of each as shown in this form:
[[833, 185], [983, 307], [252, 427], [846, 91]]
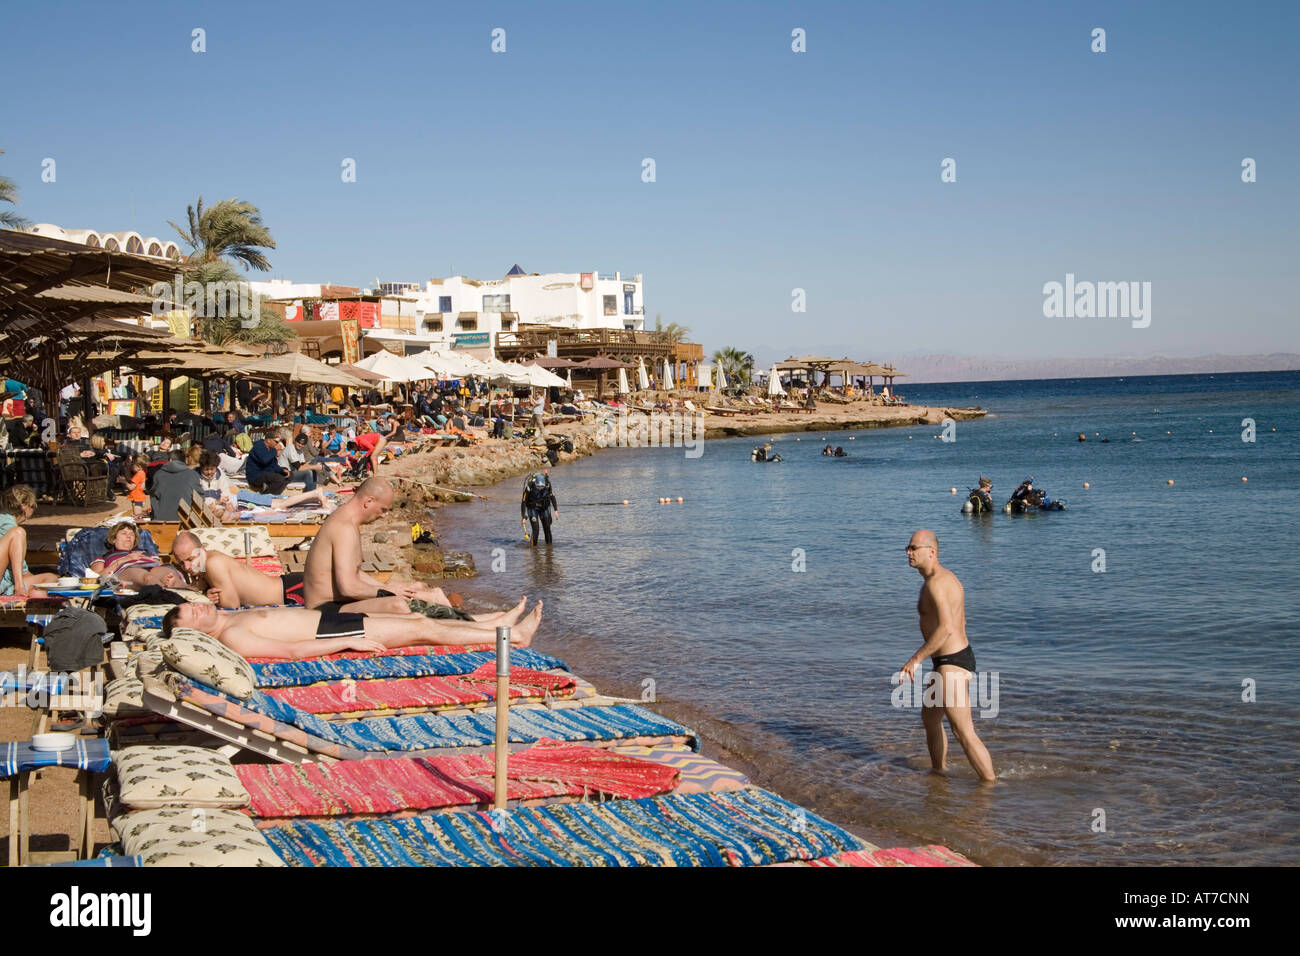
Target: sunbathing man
[[234, 584], [124, 562], [299, 632], [333, 569]]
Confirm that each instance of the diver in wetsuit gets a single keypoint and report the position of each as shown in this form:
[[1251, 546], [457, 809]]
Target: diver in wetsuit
[[537, 503]]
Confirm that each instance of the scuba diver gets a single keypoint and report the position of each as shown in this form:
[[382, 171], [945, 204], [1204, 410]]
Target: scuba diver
[[1028, 498], [537, 503], [980, 500], [834, 451], [764, 453]]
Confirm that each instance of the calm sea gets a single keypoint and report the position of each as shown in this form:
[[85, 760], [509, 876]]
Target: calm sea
[[1145, 713]]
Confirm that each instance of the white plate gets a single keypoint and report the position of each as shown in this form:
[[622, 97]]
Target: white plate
[[53, 741]]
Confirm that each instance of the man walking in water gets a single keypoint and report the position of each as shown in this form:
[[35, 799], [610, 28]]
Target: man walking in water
[[942, 608]]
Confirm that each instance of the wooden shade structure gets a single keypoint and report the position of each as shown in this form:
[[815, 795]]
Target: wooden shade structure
[[57, 302]]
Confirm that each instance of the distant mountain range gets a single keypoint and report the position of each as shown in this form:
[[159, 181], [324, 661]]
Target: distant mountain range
[[960, 368]]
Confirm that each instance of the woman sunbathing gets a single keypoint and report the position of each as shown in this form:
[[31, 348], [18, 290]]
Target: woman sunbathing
[[16, 506], [125, 563]]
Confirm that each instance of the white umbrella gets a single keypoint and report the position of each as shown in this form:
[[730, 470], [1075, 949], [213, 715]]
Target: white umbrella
[[668, 375], [643, 380], [542, 378], [393, 368], [444, 366], [774, 383], [622, 382], [569, 376], [721, 377]]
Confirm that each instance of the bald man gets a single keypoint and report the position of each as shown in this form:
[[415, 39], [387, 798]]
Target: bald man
[[333, 570], [942, 609]]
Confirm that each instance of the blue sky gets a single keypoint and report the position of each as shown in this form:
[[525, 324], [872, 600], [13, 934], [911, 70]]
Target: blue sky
[[775, 170]]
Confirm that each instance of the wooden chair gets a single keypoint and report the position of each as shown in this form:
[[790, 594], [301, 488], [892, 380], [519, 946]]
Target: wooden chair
[[83, 482]]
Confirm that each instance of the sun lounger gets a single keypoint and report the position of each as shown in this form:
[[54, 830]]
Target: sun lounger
[[370, 667], [932, 855], [748, 827], [277, 730]]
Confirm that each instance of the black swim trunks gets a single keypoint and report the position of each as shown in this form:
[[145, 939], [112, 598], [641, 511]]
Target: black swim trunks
[[337, 623], [293, 588], [962, 658]]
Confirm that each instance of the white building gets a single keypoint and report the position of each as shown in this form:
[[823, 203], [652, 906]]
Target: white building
[[126, 241], [459, 312]]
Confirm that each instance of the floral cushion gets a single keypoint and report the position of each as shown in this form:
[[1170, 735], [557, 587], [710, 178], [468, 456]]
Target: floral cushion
[[206, 660], [193, 836], [156, 776], [124, 696]]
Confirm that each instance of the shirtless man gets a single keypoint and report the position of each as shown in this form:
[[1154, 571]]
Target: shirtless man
[[234, 584], [298, 632], [942, 607], [333, 570]]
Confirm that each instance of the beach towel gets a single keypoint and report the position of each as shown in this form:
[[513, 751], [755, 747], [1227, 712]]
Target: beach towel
[[301, 673], [478, 687], [696, 774], [392, 785], [933, 855], [413, 733], [748, 827]]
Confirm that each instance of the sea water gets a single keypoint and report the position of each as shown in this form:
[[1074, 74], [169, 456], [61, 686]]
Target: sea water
[[1136, 652]]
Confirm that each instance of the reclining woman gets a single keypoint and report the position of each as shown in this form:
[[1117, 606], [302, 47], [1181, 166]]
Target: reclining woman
[[124, 562], [295, 633], [18, 504]]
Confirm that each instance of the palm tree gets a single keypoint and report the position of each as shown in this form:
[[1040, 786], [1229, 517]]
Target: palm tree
[[9, 194], [738, 365], [232, 229], [672, 332]]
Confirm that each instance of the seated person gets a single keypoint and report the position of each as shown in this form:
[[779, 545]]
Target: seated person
[[232, 584], [17, 504], [219, 495], [298, 632], [123, 562], [171, 483]]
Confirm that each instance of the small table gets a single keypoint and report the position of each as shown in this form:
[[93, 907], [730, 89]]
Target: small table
[[19, 760]]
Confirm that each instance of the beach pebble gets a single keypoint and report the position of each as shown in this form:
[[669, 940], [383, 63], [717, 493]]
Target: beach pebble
[[381, 537]]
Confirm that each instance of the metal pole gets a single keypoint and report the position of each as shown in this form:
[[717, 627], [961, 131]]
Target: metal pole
[[503, 715]]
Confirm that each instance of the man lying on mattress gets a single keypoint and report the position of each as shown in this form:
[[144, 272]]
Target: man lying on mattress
[[298, 632], [233, 584]]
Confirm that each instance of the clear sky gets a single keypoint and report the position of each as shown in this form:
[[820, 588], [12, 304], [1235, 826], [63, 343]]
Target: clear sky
[[775, 170]]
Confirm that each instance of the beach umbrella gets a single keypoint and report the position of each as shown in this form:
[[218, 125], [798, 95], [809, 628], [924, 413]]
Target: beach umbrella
[[541, 378], [774, 383], [444, 366], [569, 375], [721, 377], [668, 375], [643, 380], [393, 368], [622, 382]]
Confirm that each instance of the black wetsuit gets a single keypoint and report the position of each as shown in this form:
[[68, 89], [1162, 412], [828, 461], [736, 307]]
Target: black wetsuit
[[536, 507]]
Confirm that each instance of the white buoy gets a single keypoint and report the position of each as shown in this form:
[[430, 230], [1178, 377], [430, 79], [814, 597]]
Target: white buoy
[[952, 491], [1086, 485]]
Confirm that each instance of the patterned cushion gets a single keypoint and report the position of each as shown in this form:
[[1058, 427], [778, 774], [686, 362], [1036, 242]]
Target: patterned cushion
[[155, 776], [145, 662], [146, 610], [205, 659], [231, 541], [185, 836], [124, 696]]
